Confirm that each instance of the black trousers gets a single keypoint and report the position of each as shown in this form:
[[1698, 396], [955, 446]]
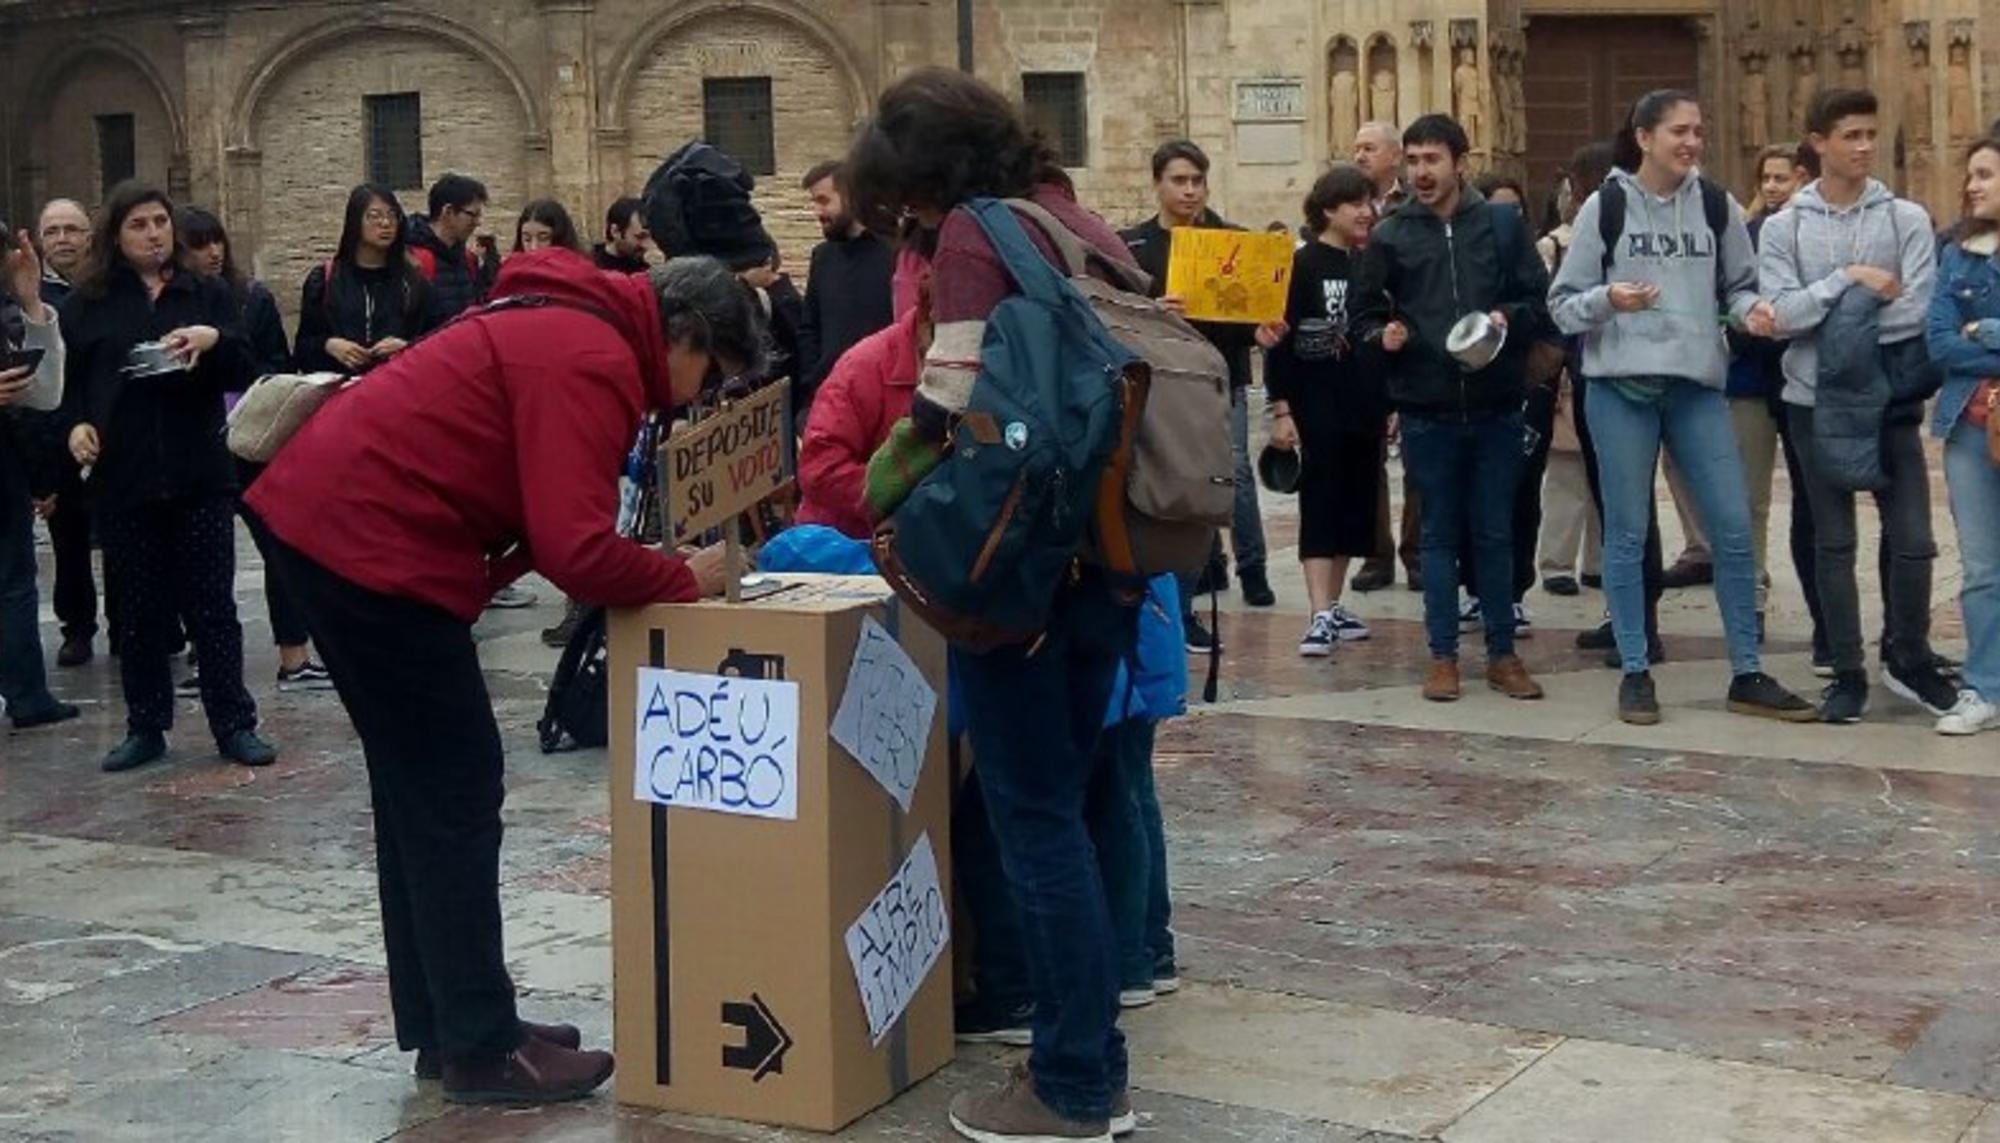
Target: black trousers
[[1539, 417], [75, 592], [1653, 564], [288, 621], [409, 676], [171, 561]]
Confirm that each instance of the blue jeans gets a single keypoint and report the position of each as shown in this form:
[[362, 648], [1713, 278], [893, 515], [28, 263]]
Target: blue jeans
[[1693, 422], [23, 676], [1247, 533], [1121, 794], [1000, 975], [1974, 482], [1034, 719], [1466, 473]]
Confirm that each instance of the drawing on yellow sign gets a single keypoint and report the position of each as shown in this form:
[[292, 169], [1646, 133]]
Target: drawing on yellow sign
[[1230, 275]]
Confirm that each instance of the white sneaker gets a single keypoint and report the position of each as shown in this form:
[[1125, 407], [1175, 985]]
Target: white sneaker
[[1469, 614], [1347, 626], [1136, 997], [1524, 623], [1970, 715], [1317, 643]]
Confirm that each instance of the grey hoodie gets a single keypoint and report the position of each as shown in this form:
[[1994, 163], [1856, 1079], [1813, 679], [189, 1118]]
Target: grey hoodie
[[1665, 242], [1802, 268]]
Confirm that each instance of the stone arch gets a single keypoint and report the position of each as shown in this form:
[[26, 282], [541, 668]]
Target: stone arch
[[653, 99], [625, 71], [37, 118], [311, 41]]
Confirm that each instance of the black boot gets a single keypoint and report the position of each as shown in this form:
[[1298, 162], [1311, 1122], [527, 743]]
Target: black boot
[[139, 748]]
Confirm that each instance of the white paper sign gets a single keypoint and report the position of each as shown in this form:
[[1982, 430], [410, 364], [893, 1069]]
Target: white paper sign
[[885, 716], [899, 939], [711, 742]]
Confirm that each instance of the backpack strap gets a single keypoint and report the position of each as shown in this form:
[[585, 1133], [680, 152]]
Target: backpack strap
[[1077, 254], [1715, 208], [1508, 234], [1610, 220], [326, 291]]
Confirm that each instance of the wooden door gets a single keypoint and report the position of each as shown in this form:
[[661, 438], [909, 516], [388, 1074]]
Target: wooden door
[[1584, 73]]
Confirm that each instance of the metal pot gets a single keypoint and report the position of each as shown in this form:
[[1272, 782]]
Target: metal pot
[[152, 359], [1475, 341]]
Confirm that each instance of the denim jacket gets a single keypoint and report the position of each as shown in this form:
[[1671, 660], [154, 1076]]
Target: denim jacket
[[1968, 291]]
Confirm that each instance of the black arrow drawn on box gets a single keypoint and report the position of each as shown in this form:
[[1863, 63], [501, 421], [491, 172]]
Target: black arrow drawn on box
[[765, 1041]]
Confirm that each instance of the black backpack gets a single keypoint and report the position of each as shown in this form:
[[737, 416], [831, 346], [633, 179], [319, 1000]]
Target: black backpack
[[578, 714], [1611, 219]]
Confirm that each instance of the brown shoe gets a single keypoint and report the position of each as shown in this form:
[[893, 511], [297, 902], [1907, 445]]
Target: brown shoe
[[1510, 677], [1015, 1112], [1441, 685], [430, 1063], [535, 1072]]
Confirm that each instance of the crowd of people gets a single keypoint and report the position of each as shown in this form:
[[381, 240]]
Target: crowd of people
[[1532, 377]]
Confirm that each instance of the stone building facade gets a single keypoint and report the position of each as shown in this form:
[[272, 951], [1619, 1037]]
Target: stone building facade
[[266, 110]]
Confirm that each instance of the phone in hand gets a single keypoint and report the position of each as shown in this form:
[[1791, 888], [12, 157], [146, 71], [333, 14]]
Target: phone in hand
[[29, 359]]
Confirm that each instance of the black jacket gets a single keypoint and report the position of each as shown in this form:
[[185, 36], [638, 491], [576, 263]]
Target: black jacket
[[365, 306], [270, 352], [459, 280], [1152, 247], [1427, 273], [606, 260], [161, 436], [786, 307], [850, 293]]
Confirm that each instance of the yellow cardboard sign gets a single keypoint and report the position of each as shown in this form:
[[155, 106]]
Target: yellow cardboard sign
[[1230, 275]]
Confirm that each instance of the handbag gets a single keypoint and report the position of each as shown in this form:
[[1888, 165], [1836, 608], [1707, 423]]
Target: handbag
[[274, 409], [1983, 410]]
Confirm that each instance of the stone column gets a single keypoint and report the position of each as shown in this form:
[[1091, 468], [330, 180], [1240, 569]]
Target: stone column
[[244, 173], [204, 110], [569, 83]]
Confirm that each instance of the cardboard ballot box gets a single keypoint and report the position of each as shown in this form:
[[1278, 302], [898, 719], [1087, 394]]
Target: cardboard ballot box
[[779, 910]]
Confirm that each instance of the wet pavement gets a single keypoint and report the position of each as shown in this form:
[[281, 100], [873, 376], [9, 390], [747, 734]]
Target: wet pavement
[[1486, 922]]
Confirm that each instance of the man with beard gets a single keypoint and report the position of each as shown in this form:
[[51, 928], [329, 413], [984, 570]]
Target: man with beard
[[1180, 183], [626, 240], [1437, 258], [848, 291]]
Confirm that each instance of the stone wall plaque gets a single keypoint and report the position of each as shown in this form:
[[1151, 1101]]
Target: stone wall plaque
[[1281, 100]]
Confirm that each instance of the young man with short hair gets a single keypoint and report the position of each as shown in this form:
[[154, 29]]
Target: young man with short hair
[[1180, 184], [1443, 255], [1850, 268], [441, 244], [849, 285], [1378, 151], [626, 239]]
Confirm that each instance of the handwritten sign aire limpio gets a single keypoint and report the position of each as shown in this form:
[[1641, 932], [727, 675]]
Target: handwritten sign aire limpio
[[724, 464], [885, 717], [711, 742], [1230, 275], [898, 939]]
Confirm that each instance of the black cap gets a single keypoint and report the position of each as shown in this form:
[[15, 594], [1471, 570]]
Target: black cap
[[698, 202]]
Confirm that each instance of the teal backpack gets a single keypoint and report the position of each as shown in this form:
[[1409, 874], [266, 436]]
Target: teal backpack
[[982, 545]]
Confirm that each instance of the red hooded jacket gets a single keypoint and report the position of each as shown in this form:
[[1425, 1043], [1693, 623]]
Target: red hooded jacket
[[869, 390], [499, 430]]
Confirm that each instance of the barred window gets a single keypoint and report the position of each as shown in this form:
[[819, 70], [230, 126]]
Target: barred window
[[395, 139], [1054, 102], [736, 120], [117, 151]]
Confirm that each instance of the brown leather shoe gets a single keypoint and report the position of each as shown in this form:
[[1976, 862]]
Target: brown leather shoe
[[430, 1063], [535, 1072], [1510, 677], [1441, 685]]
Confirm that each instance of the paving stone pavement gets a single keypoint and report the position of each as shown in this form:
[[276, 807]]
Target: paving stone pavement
[[1482, 923]]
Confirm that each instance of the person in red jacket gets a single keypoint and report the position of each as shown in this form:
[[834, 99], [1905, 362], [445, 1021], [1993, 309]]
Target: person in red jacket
[[869, 390], [489, 448]]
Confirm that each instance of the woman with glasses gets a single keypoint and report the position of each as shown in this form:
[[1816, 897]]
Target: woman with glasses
[[368, 302]]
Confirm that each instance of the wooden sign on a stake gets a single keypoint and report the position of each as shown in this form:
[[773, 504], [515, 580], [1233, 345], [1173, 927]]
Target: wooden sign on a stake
[[715, 469]]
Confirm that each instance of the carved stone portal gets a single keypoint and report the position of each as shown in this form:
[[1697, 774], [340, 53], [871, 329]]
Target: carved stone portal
[[1468, 98], [1343, 97], [1961, 102], [1755, 127], [1805, 85], [1382, 82]]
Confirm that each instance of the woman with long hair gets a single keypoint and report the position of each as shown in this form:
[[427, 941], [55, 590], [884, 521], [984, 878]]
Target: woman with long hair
[[1654, 360], [368, 302], [939, 139], [208, 241], [153, 346], [545, 223], [1963, 331]]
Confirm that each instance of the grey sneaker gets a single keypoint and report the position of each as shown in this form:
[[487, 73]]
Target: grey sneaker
[[1124, 1121], [1013, 1113], [512, 598]]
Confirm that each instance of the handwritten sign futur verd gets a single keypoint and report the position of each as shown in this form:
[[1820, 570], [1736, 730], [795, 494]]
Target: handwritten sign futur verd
[[1230, 275], [725, 463], [885, 715], [712, 742], [899, 939]]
